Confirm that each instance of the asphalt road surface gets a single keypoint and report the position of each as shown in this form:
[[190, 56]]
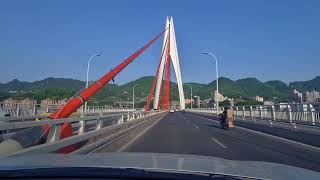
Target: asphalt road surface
[[185, 133]]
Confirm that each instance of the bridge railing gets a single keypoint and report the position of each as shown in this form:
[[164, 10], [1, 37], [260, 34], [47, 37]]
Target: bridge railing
[[30, 109], [293, 113], [97, 111], [85, 131]]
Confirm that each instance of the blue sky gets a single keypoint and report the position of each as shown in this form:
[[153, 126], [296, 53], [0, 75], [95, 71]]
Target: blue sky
[[258, 38]]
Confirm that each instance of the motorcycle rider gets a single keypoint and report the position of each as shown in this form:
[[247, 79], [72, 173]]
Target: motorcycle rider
[[226, 118]]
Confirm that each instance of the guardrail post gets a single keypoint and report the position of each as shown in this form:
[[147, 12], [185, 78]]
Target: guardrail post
[[251, 115], [294, 127], [313, 115], [128, 117], [34, 110], [289, 113], [54, 133], [273, 113], [120, 120], [18, 110], [99, 123], [82, 128], [243, 112], [260, 112]]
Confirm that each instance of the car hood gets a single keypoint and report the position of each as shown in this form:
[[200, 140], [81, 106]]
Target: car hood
[[160, 161]]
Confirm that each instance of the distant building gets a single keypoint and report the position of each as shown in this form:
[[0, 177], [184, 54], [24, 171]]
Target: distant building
[[258, 98], [13, 103], [219, 97], [188, 101], [46, 103], [310, 97], [28, 103], [123, 104], [268, 103], [316, 95], [10, 103], [205, 103], [296, 96], [13, 92], [196, 100], [307, 97]]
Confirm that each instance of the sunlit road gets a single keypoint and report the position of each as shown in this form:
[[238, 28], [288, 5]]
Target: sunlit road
[[185, 133]]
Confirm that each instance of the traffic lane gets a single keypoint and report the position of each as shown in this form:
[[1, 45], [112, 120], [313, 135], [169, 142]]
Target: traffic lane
[[186, 134], [303, 137], [175, 134], [247, 145], [181, 133]]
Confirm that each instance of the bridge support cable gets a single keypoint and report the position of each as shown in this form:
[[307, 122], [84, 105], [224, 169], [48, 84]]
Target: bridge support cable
[[71, 106], [151, 96], [167, 80], [161, 94], [161, 102], [172, 56]]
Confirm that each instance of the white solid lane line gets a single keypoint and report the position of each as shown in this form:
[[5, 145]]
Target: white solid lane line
[[264, 134], [218, 142], [195, 126]]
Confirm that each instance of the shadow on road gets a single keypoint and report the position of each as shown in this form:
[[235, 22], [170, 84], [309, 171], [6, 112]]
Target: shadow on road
[[214, 126]]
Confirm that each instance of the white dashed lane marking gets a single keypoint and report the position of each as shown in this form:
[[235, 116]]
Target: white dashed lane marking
[[195, 126], [218, 142]]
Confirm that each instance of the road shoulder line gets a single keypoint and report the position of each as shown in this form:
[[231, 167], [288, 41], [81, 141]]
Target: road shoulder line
[[125, 146], [265, 134]]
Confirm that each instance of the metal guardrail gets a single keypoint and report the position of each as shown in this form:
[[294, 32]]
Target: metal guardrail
[[293, 113], [115, 123], [269, 123], [30, 109], [22, 118], [39, 117]]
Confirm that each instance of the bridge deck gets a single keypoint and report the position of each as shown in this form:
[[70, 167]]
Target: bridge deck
[[190, 134]]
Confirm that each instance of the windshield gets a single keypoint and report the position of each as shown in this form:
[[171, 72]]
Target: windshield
[[235, 83]]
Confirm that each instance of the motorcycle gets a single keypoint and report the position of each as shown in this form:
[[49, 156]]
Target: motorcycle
[[225, 123]]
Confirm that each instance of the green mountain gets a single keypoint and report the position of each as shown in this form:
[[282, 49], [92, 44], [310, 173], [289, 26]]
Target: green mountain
[[66, 83], [253, 87], [228, 88], [313, 84], [58, 88], [279, 88]]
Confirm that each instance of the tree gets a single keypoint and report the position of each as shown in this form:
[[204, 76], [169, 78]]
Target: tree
[[225, 103]]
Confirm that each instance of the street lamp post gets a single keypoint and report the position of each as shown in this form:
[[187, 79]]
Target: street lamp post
[[133, 95], [217, 83], [190, 94], [87, 83]]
